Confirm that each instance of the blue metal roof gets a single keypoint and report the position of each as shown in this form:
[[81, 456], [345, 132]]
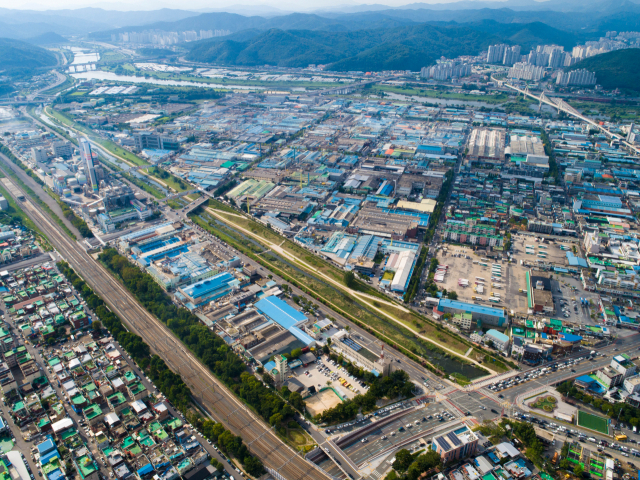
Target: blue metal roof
[[46, 446], [300, 335], [498, 335], [210, 284], [280, 312], [471, 307]]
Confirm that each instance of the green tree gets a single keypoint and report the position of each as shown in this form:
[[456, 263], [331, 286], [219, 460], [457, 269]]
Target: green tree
[[350, 280], [96, 325], [578, 471], [452, 295], [276, 419], [403, 460]]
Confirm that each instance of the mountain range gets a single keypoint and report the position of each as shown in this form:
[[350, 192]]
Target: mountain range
[[408, 47]]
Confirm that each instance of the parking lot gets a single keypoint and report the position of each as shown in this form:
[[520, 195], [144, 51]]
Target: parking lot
[[475, 404], [318, 374], [507, 285]]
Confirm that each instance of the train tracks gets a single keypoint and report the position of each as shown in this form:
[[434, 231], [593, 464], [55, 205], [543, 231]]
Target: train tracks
[[209, 392]]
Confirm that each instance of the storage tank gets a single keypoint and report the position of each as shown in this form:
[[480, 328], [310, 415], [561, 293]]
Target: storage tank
[[66, 192], [93, 212], [81, 178]]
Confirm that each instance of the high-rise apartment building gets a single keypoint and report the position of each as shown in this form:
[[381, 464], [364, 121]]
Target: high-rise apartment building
[[579, 77]]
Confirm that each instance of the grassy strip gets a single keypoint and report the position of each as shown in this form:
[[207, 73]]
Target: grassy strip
[[39, 201], [144, 185], [395, 335], [129, 69], [171, 180], [423, 92]]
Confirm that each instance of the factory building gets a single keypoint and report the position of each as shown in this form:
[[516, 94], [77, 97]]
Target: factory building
[[480, 314], [344, 345], [204, 291], [87, 158]]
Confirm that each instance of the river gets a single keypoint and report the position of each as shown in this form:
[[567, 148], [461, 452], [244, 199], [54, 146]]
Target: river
[[110, 76]]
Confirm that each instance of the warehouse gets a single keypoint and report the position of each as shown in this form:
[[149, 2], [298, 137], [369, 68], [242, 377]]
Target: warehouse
[[207, 290], [286, 316], [479, 313]]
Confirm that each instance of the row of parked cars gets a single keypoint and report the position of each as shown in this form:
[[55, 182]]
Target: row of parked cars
[[533, 374]]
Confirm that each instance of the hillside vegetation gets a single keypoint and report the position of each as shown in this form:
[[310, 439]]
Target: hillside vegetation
[[407, 48], [18, 57], [619, 69]]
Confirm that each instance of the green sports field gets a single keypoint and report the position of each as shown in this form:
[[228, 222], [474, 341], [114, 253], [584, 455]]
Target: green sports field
[[593, 422]]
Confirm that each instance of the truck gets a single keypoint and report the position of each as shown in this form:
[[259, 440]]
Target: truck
[[592, 354], [555, 458], [620, 438]]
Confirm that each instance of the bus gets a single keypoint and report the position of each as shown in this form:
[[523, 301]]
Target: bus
[[542, 246], [542, 256], [494, 300]]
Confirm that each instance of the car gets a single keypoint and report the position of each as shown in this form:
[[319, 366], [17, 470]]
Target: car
[[493, 410]]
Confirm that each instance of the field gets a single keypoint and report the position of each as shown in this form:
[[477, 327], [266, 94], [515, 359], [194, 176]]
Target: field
[[593, 422], [321, 401]]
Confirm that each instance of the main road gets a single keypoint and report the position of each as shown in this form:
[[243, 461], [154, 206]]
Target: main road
[[207, 390]]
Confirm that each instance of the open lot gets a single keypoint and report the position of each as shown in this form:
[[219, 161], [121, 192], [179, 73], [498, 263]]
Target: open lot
[[318, 379], [506, 286], [321, 401]]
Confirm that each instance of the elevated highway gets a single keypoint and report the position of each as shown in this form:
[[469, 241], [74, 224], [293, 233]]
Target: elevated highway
[[563, 106]]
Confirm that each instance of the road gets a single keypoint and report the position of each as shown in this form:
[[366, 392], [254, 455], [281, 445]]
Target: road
[[209, 392]]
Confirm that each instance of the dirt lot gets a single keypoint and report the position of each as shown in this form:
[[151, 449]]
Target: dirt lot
[[322, 401]]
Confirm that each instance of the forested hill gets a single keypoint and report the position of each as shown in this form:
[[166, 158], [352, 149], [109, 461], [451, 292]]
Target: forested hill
[[400, 48], [407, 48], [619, 69], [17, 56]]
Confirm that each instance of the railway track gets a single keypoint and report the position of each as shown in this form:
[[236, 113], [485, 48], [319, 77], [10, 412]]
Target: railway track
[[210, 393]]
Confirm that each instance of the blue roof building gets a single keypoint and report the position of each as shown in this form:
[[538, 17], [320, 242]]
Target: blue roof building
[[280, 312], [46, 447], [481, 314], [286, 316], [207, 290]]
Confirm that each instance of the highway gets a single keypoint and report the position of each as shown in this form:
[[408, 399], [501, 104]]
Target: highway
[[207, 390]]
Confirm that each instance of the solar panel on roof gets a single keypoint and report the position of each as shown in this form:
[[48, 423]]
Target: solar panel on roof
[[443, 444], [454, 439]]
